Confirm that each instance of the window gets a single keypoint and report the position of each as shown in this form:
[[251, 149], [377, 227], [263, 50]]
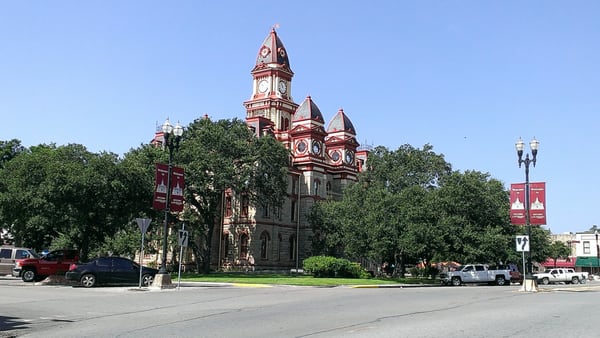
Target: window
[[122, 264], [228, 206], [6, 253], [317, 185], [22, 254], [294, 185], [265, 209], [292, 247], [293, 211], [225, 246], [279, 241], [264, 245], [479, 268], [104, 262], [586, 248], [243, 246], [244, 203]]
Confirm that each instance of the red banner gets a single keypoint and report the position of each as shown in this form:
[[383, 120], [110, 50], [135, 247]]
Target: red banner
[[517, 204], [537, 203], [177, 186], [159, 201]]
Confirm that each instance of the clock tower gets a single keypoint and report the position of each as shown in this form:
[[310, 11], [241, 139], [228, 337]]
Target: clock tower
[[271, 107]]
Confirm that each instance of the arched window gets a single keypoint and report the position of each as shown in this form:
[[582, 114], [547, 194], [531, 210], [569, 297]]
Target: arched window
[[292, 247], [279, 241], [243, 246], [317, 186], [225, 246], [265, 240]]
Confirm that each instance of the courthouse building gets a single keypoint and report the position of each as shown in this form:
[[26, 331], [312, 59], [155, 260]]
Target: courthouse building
[[325, 159]]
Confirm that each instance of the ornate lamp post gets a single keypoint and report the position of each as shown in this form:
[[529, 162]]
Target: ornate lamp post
[[172, 136], [534, 145], [597, 251]]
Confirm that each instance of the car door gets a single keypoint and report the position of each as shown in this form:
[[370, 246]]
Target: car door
[[103, 269], [48, 264], [124, 271], [468, 274], [6, 261]]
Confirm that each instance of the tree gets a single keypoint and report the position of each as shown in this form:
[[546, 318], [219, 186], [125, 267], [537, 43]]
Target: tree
[[225, 155], [558, 250], [65, 196]]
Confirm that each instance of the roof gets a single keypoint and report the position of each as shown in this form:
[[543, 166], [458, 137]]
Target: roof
[[341, 122], [272, 51], [308, 110]]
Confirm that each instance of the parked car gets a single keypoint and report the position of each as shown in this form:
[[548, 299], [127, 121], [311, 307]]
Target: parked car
[[110, 270], [38, 268], [475, 273], [10, 254], [558, 275]]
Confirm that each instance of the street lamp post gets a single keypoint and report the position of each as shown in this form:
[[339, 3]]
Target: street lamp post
[[172, 137], [534, 145], [597, 251]]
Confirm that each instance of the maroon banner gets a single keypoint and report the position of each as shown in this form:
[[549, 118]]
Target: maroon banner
[[537, 204], [177, 185], [159, 202], [517, 204]]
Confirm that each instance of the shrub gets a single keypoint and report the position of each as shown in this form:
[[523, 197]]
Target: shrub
[[326, 266]]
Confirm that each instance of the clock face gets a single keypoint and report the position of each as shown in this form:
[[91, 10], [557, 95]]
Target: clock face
[[264, 51], [263, 85], [316, 147], [335, 156], [282, 87], [301, 146]]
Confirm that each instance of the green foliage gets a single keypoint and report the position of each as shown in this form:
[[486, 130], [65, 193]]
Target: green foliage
[[409, 206], [327, 267], [222, 155]]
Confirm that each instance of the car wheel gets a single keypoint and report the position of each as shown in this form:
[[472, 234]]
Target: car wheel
[[88, 280], [500, 281], [545, 281], [147, 280], [28, 275], [456, 281], [575, 280]]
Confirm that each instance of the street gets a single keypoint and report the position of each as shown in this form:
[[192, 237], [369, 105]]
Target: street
[[28, 310]]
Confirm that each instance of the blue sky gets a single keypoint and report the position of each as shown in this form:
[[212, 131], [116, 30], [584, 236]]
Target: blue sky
[[468, 77]]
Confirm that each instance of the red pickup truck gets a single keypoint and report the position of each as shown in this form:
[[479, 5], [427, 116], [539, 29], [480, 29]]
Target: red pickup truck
[[52, 263]]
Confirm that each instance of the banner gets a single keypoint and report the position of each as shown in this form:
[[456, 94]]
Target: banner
[[177, 186], [517, 204], [159, 202], [537, 204]]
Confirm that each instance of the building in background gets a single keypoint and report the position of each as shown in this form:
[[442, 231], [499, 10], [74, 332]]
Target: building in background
[[325, 158]]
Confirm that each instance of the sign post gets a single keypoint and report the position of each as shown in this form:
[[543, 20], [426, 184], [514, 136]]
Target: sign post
[[523, 246], [143, 223], [183, 242]]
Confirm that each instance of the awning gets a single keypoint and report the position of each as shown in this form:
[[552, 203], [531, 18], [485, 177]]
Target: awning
[[583, 261], [560, 263]]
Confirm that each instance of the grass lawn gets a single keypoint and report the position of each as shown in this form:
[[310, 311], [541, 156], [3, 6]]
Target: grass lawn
[[301, 280]]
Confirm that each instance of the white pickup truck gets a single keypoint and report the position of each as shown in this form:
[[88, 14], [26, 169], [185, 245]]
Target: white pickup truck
[[558, 275], [475, 273]]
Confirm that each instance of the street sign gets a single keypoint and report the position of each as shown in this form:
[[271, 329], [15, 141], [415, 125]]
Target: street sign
[[143, 223], [522, 243], [183, 238]]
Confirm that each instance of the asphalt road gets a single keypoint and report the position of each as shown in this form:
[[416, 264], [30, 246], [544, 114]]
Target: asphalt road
[[28, 310]]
